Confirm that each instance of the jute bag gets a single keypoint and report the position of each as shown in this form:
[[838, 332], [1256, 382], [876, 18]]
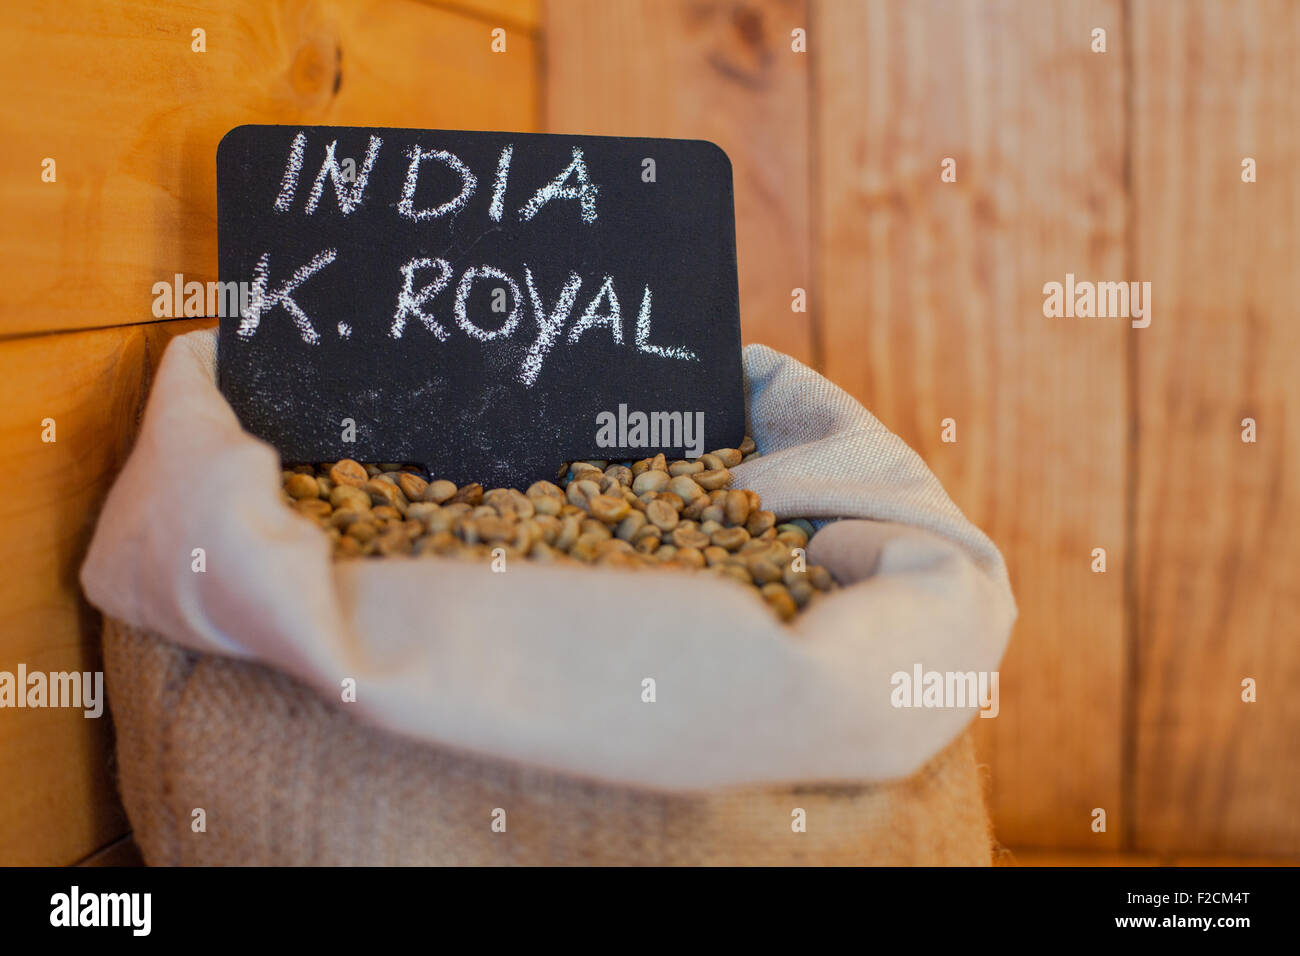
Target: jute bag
[[481, 694], [285, 779]]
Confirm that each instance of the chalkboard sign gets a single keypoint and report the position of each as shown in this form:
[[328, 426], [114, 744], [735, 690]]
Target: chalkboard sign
[[486, 305]]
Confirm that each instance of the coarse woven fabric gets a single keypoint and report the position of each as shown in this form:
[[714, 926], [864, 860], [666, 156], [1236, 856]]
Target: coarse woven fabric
[[284, 779], [544, 665]]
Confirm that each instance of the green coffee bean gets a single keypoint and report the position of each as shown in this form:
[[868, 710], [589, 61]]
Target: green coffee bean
[[661, 514], [713, 480], [715, 555], [820, 578], [594, 526], [301, 486], [760, 522], [608, 509], [737, 507], [620, 473], [413, 486], [570, 528], [685, 487], [471, 494], [362, 531], [348, 472], [313, 507], [341, 518], [730, 457], [346, 547], [632, 522], [713, 513], [580, 492], [548, 526], [801, 592], [763, 570], [686, 535], [730, 538], [544, 489], [737, 571], [689, 557], [349, 496], [650, 481], [647, 544], [616, 514], [791, 535], [439, 491], [780, 600]]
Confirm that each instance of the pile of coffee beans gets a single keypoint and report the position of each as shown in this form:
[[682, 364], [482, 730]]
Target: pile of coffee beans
[[647, 513]]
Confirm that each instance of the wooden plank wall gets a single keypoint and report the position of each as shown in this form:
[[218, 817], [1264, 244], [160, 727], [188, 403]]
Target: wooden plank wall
[[113, 92], [1121, 690], [58, 803], [933, 298], [716, 71], [1218, 595]]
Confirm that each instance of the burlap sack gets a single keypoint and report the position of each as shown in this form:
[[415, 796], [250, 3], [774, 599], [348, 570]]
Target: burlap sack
[[285, 779], [522, 690]]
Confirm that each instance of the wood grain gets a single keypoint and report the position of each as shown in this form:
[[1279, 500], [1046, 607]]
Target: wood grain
[[518, 14], [113, 93], [132, 116], [926, 304], [58, 803], [1049, 858], [1053, 859], [724, 72], [1219, 586], [934, 309], [119, 853]]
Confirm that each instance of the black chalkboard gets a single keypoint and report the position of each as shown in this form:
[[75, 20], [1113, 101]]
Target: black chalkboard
[[395, 279]]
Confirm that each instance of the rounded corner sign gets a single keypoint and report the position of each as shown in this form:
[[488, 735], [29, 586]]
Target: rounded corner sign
[[484, 304]]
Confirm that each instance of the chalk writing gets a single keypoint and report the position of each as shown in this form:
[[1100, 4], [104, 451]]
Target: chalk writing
[[471, 300]]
